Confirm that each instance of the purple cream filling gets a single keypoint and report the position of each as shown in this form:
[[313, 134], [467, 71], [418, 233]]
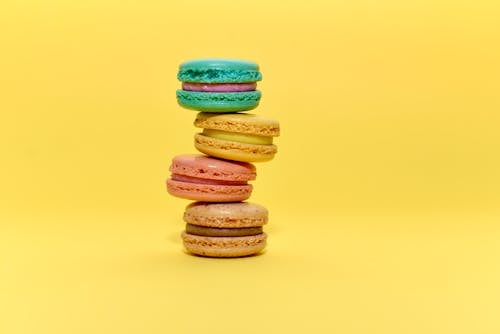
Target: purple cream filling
[[219, 87]]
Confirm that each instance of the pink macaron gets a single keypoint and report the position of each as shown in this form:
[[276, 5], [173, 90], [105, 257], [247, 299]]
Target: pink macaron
[[202, 178]]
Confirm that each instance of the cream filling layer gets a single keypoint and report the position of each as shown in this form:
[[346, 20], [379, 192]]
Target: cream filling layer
[[238, 137]]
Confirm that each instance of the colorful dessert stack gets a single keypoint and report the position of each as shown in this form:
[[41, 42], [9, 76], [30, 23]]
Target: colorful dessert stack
[[220, 223]]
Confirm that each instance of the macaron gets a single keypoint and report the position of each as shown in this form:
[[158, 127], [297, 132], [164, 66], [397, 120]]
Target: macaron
[[219, 85], [203, 178], [237, 136], [224, 229]]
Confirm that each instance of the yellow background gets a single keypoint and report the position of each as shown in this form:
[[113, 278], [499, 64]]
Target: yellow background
[[384, 196]]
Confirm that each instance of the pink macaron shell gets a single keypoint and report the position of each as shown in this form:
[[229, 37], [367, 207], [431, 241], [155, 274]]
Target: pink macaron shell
[[205, 167], [209, 192], [219, 87]]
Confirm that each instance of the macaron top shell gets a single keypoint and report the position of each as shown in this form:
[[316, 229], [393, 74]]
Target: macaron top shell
[[205, 167], [239, 122], [219, 70], [226, 215]]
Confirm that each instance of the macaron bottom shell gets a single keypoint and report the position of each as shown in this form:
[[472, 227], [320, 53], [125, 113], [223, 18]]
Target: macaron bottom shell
[[224, 102], [232, 150], [224, 246], [208, 192]]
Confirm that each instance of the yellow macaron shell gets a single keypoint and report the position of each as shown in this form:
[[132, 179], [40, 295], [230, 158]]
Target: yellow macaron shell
[[232, 150], [239, 122], [238, 137]]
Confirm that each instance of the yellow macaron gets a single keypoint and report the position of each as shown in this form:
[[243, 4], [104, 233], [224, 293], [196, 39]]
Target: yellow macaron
[[237, 136]]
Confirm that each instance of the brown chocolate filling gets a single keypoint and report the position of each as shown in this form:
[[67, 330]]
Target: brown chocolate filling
[[222, 232]]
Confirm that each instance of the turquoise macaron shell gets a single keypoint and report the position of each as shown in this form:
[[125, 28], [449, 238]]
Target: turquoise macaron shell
[[219, 70], [218, 102]]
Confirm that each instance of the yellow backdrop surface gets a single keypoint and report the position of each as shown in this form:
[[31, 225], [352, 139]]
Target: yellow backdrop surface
[[384, 196]]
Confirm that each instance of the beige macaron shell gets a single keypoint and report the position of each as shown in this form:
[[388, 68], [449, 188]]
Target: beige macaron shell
[[232, 150], [241, 123], [224, 246], [226, 215]]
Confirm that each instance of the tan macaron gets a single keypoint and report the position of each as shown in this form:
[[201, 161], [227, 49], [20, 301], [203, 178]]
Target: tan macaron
[[224, 229]]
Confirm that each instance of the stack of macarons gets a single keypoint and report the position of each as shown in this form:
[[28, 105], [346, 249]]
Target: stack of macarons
[[219, 223]]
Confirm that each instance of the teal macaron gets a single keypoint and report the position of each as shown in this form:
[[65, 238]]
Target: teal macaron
[[219, 85]]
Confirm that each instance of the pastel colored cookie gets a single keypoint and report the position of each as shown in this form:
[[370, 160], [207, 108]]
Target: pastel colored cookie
[[237, 136], [219, 70], [202, 178], [218, 102], [226, 215], [224, 246], [224, 229], [219, 85]]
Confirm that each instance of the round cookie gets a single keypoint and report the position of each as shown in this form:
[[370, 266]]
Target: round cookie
[[219, 85], [224, 229], [226, 215], [218, 102], [219, 70], [202, 178], [237, 136], [224, 246]]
